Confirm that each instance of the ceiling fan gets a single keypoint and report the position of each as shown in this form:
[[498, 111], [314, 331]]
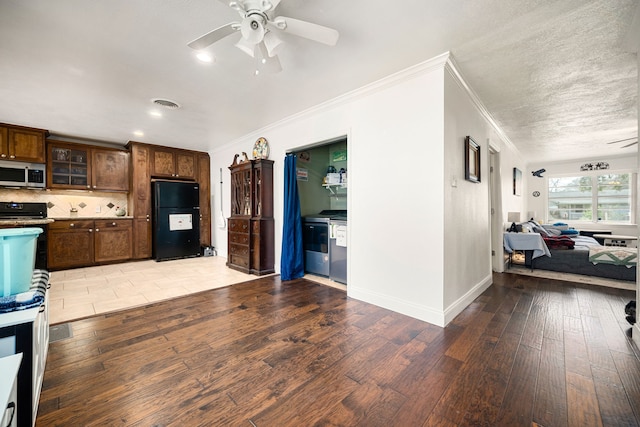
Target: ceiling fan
[[625, 140], [260, 30]]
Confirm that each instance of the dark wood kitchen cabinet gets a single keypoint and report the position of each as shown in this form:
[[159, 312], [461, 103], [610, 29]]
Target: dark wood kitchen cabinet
[[173, 163], [85, 242], [150, 161], [109, 169], [139, 200], [204, 179], [22, 144], [83, 167], [70, 244], [113, 240], [251, 227]]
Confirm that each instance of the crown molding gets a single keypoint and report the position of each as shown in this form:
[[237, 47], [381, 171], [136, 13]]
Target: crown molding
[[454, 71], [437, 62]]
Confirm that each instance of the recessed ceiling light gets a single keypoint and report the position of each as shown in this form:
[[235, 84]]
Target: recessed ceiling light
[[155, 113], [138, 133], [204, 57]]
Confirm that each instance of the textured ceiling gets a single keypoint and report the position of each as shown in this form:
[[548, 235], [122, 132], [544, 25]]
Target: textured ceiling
[[553, 74]]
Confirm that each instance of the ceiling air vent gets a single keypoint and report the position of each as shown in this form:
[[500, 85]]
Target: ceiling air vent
[[166, 103]]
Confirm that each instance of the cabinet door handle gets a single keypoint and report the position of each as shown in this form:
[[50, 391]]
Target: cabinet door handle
[[12, 406], [72, 225], [113, 223], [3, 155], [97, 229], [91, 230], [12, 157]]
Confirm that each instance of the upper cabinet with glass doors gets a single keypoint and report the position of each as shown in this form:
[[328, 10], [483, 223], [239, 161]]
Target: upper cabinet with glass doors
[[81, 167]]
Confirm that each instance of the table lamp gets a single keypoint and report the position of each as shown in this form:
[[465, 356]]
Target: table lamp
[[513, 217]]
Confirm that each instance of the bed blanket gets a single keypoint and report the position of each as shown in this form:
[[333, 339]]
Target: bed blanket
[[613, 255], [559, 242]]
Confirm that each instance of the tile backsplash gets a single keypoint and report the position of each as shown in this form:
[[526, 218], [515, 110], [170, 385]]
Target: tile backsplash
[[60, 202]]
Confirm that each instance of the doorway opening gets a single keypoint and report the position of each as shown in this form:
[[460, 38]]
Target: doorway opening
[[322, 178]]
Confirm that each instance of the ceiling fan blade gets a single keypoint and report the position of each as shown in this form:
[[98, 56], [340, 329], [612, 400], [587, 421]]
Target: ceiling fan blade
[[308, 30], [622, 140], [629, 145], [214, 35]]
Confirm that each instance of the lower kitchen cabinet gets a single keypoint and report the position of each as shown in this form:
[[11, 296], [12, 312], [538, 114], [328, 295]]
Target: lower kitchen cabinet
[[113, 240], [81, 243], [142, 238], [70, 244]]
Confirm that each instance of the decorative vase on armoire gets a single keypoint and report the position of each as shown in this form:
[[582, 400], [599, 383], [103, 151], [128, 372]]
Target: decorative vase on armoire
[[251, 227]]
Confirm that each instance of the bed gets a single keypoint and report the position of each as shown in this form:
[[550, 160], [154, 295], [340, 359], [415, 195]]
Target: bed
[[588, 257]]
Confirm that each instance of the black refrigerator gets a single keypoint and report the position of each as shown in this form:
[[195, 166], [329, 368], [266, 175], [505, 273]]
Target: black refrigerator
[[176, 219]]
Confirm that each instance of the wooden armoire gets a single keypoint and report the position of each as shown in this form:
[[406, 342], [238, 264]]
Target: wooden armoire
[[250, 227]]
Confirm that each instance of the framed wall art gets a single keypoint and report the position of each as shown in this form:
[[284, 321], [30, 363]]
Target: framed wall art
[[517, 182], [471, 160]]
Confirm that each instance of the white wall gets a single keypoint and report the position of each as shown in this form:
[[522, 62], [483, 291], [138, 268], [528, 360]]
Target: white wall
[[467, 235], [468, 232], [409, 228], [395, 133], [539, 204]]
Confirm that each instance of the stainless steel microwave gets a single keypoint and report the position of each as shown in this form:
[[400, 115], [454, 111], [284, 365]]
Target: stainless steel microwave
[[20, 174]]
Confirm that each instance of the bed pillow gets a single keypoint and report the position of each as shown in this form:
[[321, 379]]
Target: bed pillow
[[553, 231], [569, 232], [542, 231]]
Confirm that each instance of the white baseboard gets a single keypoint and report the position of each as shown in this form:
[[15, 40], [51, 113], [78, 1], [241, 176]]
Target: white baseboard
[[408, 308], [463, 302], [420, 311]]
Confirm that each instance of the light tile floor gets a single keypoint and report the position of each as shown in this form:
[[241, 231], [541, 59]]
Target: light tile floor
[[85, 292]]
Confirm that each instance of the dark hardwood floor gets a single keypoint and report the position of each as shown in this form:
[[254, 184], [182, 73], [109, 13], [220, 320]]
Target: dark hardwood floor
[[264, 353]]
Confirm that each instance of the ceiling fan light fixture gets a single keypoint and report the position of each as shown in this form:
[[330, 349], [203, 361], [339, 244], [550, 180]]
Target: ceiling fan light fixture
[[273, 43], [266, 63], [246, 47]]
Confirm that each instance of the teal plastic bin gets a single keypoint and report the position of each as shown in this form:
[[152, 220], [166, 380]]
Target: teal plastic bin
[[17, 259]]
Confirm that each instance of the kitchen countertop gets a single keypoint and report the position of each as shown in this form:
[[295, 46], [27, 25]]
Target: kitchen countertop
[[11, 222], [106, 218]]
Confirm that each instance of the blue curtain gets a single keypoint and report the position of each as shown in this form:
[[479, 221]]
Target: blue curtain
[[292, 258]]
